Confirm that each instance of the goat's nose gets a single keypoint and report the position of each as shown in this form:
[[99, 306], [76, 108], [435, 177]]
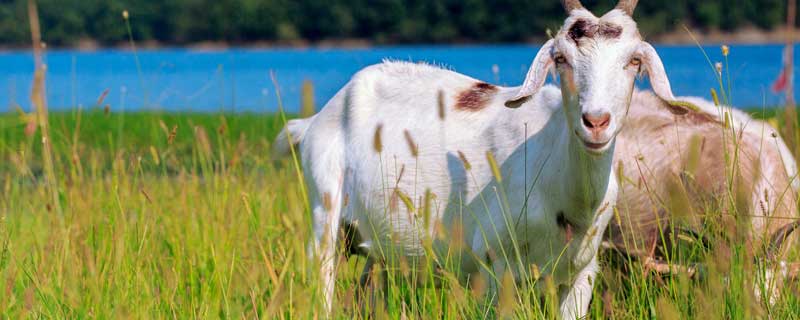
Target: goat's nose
[[596, 123]]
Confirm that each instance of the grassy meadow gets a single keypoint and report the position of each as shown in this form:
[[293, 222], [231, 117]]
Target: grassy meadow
[[162, 215], [150, 215]]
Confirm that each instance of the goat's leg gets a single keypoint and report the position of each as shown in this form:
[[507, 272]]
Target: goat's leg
[[327, 213], [365, 273], [494, 280], [364, 283], [575, 301]]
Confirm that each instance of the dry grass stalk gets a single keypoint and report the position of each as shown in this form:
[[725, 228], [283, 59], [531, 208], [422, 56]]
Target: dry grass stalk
[[493, 165], [102, 97], [412, 146], [377, 142], [39, 100], [172, 134], [440, 104], [308, 107], [426, 208], [463, 157], [202, 140], [406, 200]]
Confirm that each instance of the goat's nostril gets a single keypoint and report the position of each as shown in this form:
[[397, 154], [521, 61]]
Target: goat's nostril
[[596, 122]]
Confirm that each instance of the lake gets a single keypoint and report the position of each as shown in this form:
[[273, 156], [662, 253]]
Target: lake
[[239, 79]]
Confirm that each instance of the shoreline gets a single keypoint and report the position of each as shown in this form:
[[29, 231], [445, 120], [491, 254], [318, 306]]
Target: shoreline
[[743, 36]]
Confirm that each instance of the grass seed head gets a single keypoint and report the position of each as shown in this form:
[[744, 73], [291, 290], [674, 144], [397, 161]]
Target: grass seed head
[[412, 146], [478, 286], [535, 272], [507, 301], [440, 104], [102, 97], [172, 134], [377, 142], [326, 201], [493, 165], [406, 200], [426, 208], [467, 165], [727, 120], [222, 128], [202, 140], [715, 97]]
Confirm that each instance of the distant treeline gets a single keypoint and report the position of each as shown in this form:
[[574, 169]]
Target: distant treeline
[[67, 22]]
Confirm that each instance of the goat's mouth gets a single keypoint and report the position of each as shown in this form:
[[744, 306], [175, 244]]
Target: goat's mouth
[[593, 147]]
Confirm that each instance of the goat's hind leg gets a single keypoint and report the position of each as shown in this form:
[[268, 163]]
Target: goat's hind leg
[[327, 213], [366, 292]]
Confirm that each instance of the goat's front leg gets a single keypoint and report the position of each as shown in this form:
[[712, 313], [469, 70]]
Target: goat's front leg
[[575, 299], [495, 267], [494, 279]]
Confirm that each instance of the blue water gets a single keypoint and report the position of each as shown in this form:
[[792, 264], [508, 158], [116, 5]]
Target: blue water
[[239, 79]]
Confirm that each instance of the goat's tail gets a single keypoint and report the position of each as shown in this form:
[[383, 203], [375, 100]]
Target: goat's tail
[[290, 137]]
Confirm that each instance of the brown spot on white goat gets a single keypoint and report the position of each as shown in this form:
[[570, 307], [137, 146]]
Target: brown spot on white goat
[[585, 29], [476, 97]]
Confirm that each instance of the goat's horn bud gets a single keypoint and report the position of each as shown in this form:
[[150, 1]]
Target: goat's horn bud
[[778, 238], [627, 6], [570, 5]]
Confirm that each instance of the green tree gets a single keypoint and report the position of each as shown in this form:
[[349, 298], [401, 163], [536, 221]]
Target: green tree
[[65, 22]]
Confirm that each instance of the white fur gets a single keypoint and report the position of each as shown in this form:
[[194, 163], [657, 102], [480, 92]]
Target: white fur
[[549, 162]]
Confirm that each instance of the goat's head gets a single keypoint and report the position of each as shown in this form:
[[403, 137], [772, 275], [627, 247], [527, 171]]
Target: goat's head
[[598, 60]]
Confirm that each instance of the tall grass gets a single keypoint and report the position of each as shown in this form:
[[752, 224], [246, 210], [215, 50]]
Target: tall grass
[[188, 216]]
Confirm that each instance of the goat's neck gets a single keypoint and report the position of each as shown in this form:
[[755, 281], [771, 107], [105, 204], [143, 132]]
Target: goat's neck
[[588, 180]]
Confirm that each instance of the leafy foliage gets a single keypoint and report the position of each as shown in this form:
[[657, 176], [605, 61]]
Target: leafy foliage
[[66, 22]]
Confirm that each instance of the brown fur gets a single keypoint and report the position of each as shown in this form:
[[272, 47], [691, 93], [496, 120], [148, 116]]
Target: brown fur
[[585, 29], [476, 97], [673, 168]]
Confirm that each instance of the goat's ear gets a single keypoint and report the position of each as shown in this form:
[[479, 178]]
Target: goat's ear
[[536, 76], [660, 83]]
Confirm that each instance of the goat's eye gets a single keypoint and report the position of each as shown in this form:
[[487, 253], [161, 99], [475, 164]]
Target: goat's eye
[[560, 59], [636, 62]]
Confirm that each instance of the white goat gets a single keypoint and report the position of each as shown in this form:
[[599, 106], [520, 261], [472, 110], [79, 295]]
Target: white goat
[[382, 138]]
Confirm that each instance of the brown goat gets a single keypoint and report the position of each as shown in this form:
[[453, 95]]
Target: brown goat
[[671, 168]]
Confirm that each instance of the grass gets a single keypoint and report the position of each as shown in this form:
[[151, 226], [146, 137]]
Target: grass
[[188, 216], [195, 225]]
